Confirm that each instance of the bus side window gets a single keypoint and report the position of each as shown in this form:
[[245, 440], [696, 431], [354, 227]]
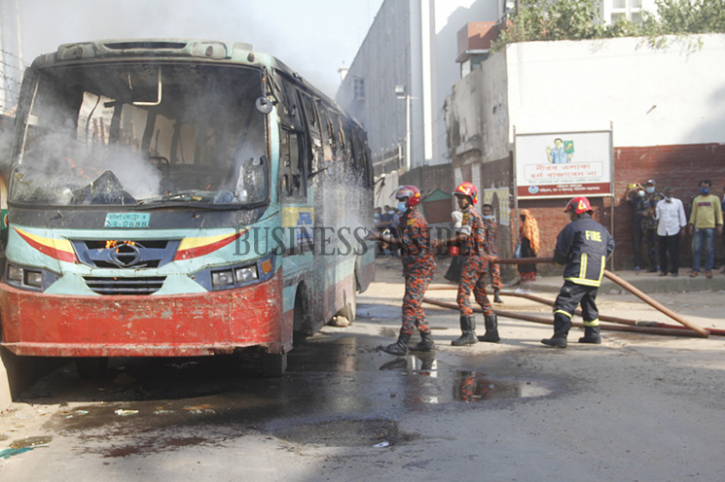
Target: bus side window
[[292, 164], [328, 134], [314, 142]]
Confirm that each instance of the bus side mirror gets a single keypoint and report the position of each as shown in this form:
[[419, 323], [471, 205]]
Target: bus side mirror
[[264, 105]]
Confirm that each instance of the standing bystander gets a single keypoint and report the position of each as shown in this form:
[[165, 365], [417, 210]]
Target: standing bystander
[[530, 244], [649, 223], [634, 196], [671, 220], [705, 219]]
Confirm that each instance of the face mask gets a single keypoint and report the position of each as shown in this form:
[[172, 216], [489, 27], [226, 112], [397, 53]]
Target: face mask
[[377, 215], [402, 207], [650, 190], [488, 218], [640, 193], [705, 190], [668, 199]]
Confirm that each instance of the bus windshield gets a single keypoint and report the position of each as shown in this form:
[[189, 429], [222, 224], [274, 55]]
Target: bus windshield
[[143, 134]]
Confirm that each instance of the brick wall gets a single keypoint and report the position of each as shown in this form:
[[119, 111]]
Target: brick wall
[[682, 167]]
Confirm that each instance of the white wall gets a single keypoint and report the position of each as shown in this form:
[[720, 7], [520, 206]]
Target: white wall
[[653, 96]]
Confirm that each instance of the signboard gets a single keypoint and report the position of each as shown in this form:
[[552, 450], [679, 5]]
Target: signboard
[[563, 164]]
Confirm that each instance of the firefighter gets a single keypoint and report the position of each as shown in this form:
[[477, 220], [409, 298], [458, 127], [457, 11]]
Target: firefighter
[[418, 269], [472, 240], [583, 246], [489, 221]]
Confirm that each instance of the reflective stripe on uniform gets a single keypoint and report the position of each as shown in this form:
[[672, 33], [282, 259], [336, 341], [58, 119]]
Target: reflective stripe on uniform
[[591, 323], [564, 313], [583, 266], [601, 270], [585, 282]]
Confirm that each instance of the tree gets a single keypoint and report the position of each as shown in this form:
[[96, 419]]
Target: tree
[[580, 19]]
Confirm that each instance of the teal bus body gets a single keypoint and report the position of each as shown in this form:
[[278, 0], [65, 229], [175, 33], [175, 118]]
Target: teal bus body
[[179, 198]]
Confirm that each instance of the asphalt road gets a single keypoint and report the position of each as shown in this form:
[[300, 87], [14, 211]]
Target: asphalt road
[[636, 408]]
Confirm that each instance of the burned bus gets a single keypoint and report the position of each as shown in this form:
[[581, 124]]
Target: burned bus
[[179, 198]]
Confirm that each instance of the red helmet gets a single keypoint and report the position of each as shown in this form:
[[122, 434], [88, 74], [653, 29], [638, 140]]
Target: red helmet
[[579, 205], [467, 189], [411, 192]]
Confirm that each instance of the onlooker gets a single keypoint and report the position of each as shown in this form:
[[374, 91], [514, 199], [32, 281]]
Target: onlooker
[[454, 271], [722, 206], [634, 196], [671, 220], [387, 227], [649, 223], [706, 217], [529, 239]]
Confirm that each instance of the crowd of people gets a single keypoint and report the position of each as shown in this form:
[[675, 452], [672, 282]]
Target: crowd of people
[[660, 221]]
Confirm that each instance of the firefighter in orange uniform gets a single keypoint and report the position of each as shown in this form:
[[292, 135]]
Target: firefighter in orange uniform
[[583, 246], [472, 239], [418, 270]]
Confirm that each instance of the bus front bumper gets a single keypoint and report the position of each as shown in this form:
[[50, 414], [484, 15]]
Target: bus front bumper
[[220, 322]]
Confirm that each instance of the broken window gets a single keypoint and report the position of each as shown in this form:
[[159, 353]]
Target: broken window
[[144, 134]]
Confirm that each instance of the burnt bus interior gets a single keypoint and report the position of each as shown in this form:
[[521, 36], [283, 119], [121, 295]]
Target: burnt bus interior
[[143, 133]]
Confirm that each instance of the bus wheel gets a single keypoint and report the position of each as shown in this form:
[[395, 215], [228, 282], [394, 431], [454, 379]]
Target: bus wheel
[[91, 367], [274, 364], [350, 309], [301, 324]]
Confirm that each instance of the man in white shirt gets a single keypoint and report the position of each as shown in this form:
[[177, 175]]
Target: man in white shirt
[[670, 223]]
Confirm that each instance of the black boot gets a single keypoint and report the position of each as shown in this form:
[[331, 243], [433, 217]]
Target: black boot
[[562, 324], [497, 296], [426, 343], [400, 347], [591, 335], [491, 334], [468, 327]]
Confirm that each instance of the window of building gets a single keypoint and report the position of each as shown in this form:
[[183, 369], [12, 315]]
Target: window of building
[[358, 86], [626, 9]]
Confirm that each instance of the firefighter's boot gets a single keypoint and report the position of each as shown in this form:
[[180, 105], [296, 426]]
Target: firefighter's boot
[[400, 347], [491, 334], [562, 324], [591, 335], [497, 296], [426, 343], [468, 329]]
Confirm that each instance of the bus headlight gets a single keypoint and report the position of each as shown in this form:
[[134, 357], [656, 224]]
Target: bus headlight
[[246, 274], [34, 278], [29, 279], [222, 278], [15, 274]]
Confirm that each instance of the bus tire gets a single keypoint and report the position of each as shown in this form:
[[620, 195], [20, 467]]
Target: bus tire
[[91, 367], [350, 309], [274, 364], [301, 326]]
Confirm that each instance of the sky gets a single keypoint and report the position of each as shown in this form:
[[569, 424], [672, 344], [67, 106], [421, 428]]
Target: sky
[[313, 37]]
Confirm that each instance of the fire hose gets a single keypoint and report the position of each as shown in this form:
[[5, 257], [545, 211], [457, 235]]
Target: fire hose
[[633, 325]]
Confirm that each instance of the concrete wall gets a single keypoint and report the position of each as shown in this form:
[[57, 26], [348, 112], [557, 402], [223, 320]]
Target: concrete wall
[[654, 96]]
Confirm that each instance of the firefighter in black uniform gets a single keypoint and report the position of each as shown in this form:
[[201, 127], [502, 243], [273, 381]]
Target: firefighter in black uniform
[[583, 246]]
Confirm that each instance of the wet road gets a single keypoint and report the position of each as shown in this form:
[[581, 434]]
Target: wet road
[[631, 409]]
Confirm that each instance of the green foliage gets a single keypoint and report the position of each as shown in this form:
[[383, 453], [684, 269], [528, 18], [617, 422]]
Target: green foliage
[[580, 19]]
